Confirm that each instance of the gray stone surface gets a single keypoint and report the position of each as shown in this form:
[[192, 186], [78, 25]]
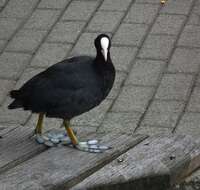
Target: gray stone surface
[[5, 87], [80, 10], [142, 13], [153, 130], [130, 34], [54, 4], [157, 47], [168, 24], [66, 32], [163, 113], [18, 8], [49, 54], [185, 60], [104, 21], [42, 19], [124, 122], [190, 36], [8, 27], [12, 64], [26, 41], [133, 98], [115, 5], [123, 57], [145, 72], [172, 88], [2, 44], [194, 102], [189, 124], [85, 44], [177, 7], [12, 117]]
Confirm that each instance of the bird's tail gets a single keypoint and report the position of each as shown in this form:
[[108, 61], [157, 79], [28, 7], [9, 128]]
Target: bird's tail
[[16, 103], [14, 93]]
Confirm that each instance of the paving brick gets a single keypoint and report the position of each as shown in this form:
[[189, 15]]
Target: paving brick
[[122, 122], [12, 64], [3, 2], [18, 8], [26, 41], [49, 54], [133, 98], [49, 123], [115, 5], [17, 116], [5, 87], [105, 21], [145, 72], [80, 10], [130, 34], [122, 57], [194, 19], [26, 75], [185, 60], [194, 103], [119, 78], [168, 24], [189, 124], [190, 36], [147, 1], [157, 47], [66, 32], [95, 116], [153, 130], [8, 27], [54, 4], [142, 13], [42, 19], [177, 7], [2, 44], [163, 113], [172, 88], [85, 45]]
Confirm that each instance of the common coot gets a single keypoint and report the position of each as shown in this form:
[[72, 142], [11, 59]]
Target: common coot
[[68, 89]]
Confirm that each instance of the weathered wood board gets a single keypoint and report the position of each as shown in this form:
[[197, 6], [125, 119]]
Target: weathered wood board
[[63, 167], [18, 146], [154, 164]]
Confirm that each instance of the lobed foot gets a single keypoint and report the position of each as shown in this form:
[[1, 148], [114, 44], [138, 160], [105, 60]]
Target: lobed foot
[[92, 146], [53, 138], [57, 137]]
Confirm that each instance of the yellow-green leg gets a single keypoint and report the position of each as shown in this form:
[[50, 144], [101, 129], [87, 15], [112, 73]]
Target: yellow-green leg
[[88, 146], [38, 129], [70, 132]]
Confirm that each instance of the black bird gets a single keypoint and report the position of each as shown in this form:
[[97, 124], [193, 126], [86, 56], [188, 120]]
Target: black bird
[[68, 89]]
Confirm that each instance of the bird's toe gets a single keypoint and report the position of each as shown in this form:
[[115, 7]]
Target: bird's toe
[[92, 146]]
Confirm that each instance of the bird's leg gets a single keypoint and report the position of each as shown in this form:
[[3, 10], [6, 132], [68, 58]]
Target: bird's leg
[[88, 146], [38, 129]]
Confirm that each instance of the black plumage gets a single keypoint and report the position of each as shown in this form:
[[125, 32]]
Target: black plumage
[[68, 88]]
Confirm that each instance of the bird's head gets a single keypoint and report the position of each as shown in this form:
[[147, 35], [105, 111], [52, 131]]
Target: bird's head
[[102, 44]]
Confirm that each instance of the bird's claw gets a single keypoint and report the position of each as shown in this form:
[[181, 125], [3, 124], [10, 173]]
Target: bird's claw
[[92, 146]]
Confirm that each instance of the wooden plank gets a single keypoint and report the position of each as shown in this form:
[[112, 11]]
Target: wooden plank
[[154, 164], [63, 167], [18, 146]]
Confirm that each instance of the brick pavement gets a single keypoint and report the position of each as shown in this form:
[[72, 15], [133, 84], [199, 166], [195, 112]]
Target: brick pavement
[[156, 51]]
